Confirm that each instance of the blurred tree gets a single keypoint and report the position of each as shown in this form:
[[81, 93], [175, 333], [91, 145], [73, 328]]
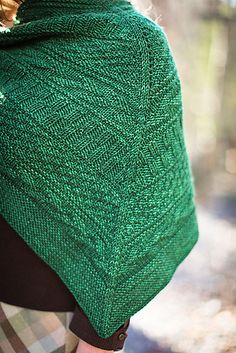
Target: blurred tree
[[202, 36]]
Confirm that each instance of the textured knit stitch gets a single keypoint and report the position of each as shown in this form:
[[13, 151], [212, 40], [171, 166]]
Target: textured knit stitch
[[94, 170]]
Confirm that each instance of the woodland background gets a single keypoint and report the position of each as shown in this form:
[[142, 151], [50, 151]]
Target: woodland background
[[196, 311]]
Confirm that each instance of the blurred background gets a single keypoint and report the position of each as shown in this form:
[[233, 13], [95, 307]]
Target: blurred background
[[196, 311]]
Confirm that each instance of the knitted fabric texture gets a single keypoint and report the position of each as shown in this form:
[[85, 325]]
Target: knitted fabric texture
[[94, 171]]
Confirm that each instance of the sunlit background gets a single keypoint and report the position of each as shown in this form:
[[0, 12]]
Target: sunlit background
[[196, 311]]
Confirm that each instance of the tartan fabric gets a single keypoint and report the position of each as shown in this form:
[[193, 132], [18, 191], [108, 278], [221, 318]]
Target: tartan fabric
[[25, 330]]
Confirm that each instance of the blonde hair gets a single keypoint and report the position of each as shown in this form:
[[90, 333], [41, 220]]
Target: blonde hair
[[8, 10], [147, 7]]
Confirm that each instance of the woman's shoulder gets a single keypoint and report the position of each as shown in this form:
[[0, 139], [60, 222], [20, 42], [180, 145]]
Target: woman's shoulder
[[131, 25]]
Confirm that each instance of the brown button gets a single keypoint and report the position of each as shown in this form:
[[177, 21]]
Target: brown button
[[122, 336]]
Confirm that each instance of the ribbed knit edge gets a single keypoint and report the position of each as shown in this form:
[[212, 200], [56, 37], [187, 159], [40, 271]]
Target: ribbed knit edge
[[29, 222]]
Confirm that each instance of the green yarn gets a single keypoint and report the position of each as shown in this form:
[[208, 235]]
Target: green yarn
[[94, 170]]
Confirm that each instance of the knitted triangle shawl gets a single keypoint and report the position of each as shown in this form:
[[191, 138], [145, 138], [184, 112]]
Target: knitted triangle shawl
[[94, 171]]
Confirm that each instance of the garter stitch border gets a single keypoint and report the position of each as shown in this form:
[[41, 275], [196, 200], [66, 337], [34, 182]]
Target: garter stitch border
[[94, 170]]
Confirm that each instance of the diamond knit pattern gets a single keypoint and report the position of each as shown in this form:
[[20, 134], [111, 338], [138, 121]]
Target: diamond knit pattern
[[94, 171]]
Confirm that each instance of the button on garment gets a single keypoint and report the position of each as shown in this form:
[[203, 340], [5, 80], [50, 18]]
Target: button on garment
[[27, 281], [122, 336]]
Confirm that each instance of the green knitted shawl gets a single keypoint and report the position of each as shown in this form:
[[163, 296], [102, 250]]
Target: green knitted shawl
[[94, 171]]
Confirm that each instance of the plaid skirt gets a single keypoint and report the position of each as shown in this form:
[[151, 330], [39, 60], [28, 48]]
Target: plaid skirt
[[25, 330]]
